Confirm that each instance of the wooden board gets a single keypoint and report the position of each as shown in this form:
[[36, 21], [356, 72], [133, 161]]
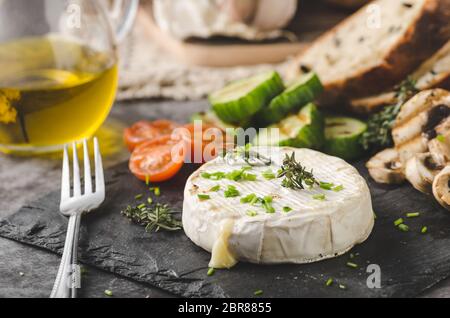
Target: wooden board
[[311, 21]]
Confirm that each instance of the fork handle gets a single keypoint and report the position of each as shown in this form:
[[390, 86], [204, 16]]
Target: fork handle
[[62, 286]]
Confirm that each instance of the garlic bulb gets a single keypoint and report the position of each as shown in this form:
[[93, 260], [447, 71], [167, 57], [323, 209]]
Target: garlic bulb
[[247, 19]]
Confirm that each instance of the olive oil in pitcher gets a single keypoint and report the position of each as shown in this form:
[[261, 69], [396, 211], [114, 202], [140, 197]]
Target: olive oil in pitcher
[[52, 91]]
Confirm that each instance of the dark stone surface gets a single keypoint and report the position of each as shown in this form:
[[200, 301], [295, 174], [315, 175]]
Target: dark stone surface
[[411, 263]]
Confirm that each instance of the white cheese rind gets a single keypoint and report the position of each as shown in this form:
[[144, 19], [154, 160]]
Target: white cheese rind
[[314, 230]]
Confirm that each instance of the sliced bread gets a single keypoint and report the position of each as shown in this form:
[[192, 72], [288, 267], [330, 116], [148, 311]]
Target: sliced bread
[[433, 73], [376, 47]]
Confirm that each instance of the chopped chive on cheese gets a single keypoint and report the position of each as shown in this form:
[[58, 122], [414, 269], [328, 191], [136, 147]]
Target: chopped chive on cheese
[[267, 204], [249, 198], [287, 209], [339, 188], [413, 215], [204, 197], [258, 292], [440, 138], [138, 197], [319, 197], [352, 265], [211, 271], [268, 199], [403, 227], [213, 176], [329, 282], [235, 175], [398, 222], [249, 177], [108, 293], [231, 192], [326, 185], [424, 230], [252, 213], [215, 188], [268, 175]]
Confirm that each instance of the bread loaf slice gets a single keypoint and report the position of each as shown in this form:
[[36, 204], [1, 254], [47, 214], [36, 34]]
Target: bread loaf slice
[[376, 47], [433, 73]]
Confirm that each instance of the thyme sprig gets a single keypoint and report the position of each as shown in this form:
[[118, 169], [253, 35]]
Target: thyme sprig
[[378, 134], [153, 217], [295, 175]]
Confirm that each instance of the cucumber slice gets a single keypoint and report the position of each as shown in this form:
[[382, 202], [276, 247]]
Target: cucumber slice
[[239, 101], [304, 130], [342, 137], [302, 91]]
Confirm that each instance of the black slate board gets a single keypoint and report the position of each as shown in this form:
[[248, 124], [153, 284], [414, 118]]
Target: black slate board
[[410, 262]]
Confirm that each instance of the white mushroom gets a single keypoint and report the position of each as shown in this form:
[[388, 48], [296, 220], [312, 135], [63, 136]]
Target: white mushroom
[[440, 149], [386, 168], [421, 170], [441, 188]]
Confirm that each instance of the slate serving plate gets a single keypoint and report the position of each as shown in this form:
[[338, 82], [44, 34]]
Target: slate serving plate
[[410, 262]]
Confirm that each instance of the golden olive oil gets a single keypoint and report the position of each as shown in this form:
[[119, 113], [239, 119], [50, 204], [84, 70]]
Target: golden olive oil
[[53, 91]]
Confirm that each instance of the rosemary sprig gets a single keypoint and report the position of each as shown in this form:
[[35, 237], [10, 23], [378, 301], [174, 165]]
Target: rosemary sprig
[[295, 175], [154, 217], [378, 134]]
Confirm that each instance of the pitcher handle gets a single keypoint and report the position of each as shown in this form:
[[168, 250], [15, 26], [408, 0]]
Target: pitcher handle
[[123, 13]]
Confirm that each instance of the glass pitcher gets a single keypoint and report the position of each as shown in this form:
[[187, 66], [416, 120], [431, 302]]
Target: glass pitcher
[[58, 69]]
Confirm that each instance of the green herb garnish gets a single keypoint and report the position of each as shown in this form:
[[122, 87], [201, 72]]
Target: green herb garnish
[[319, 197], [211, 271], [352, 265], [153, 218], [157, 191], [203, 197], [213, 176], [398, 222], [267, 204], [403, 227], [295, 175], [252, 213], [231, 192], [339, 188], [258, 292], [147, 180], [108, 293], [149, 200], [249, 198], [424, 230], [342, 287], [138, 197], [440, 138], [215, 189], [413, 215], [287, 209], [268, 175], [378, 134], [329, 282], [326, 185], [238, 175]]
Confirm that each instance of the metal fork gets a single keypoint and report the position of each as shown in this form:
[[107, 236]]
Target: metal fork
[[73, 206]]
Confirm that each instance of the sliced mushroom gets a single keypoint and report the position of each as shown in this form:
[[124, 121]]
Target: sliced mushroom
[[440, 149], [418, 121], [441, 188], [421, 170], [386, 168]]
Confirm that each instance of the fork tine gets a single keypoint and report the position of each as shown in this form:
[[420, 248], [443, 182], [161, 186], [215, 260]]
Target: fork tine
[[87, 169], [76, 173], [99, 177], [65, 179]]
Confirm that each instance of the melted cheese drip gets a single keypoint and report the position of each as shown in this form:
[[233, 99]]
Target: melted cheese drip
[[221, 257]]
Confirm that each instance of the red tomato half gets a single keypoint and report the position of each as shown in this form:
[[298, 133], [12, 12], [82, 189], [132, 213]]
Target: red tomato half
[[143, 131]]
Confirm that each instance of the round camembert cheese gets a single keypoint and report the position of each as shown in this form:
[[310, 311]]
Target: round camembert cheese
[[305, 226]]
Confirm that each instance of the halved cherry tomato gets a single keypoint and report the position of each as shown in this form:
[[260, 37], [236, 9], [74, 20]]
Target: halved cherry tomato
[[159, 159], [206, 141], [143, 131]]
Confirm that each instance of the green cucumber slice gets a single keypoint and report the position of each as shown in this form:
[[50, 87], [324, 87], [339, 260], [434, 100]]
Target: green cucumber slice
[[239, 101], [342, 137], [304, 130], [302, 91]]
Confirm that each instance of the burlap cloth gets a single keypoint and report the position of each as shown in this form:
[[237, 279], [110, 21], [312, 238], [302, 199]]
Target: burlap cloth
[[147, 71]]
